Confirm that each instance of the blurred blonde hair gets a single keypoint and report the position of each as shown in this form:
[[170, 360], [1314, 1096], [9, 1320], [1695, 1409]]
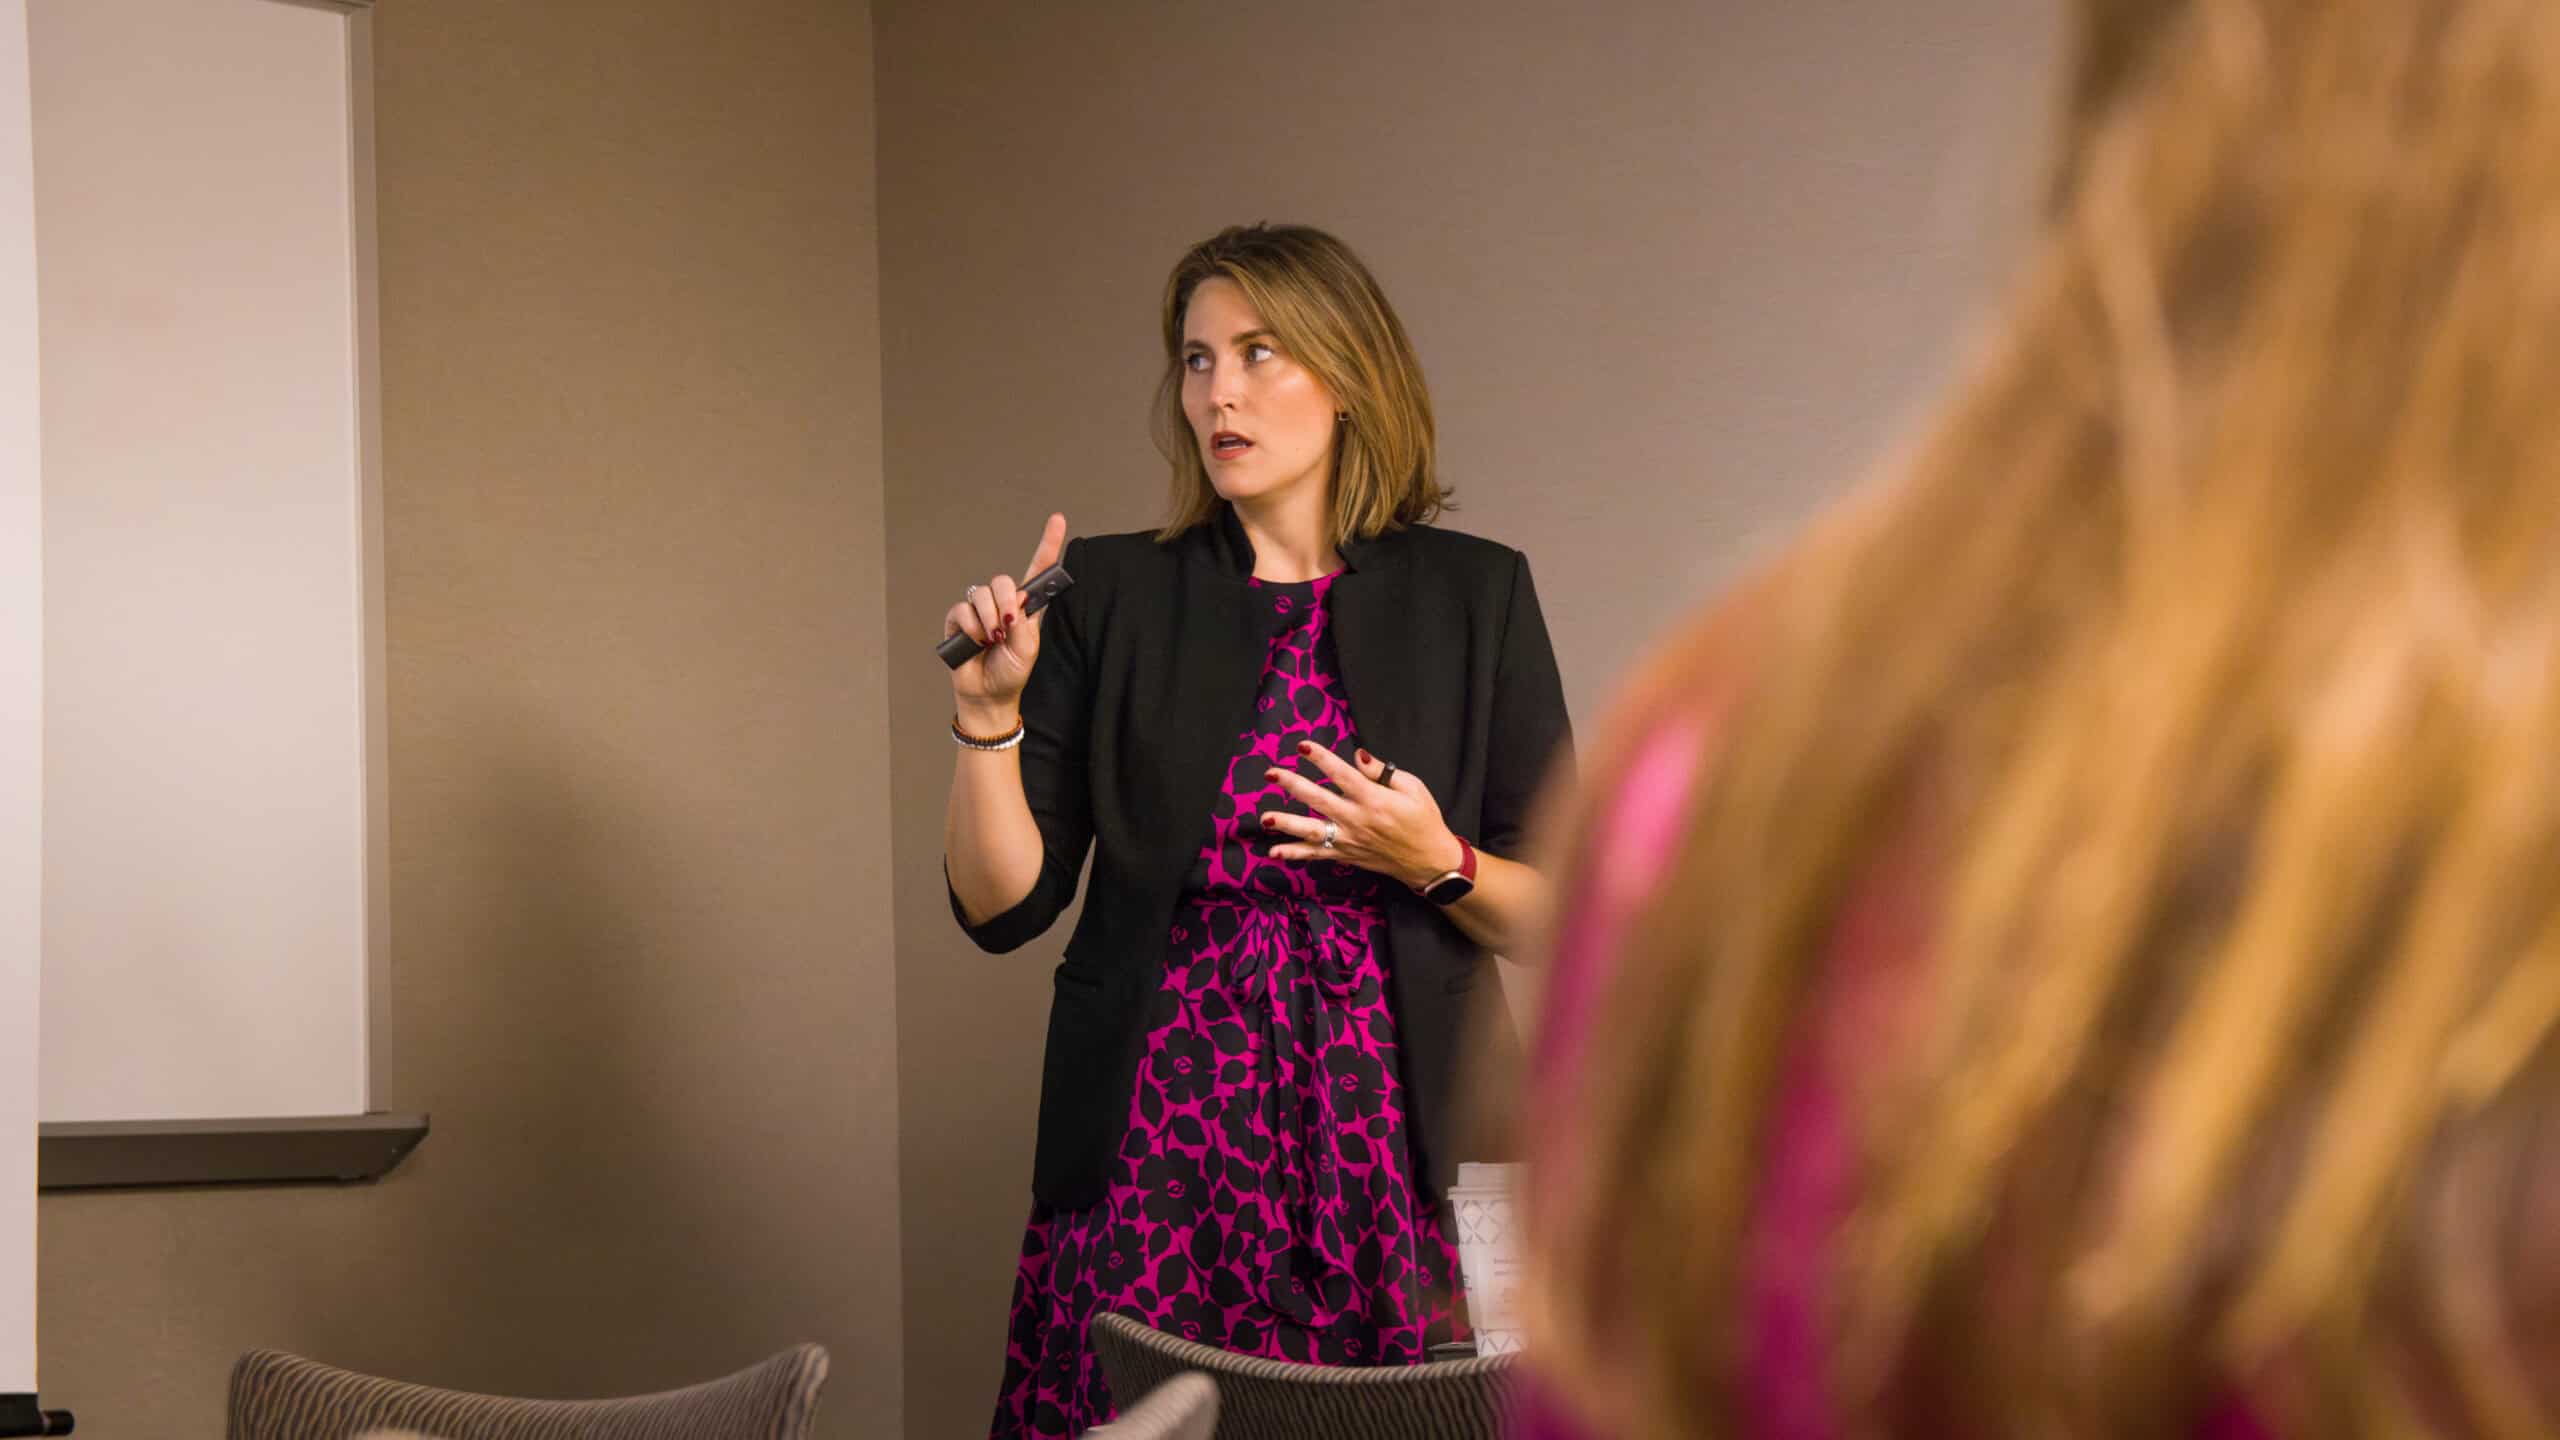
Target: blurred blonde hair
[[1327, 313], [2212, 631]]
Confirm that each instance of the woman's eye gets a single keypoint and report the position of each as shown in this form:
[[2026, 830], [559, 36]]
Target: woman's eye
[[1258, 351], [1195, 362]]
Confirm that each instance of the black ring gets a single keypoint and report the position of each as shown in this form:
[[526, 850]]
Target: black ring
[[1387, 773]]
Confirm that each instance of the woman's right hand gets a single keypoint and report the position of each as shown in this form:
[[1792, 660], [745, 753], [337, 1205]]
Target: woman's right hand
[[988, 689]]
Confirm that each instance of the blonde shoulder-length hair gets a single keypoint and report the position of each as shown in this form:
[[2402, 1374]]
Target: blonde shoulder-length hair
[[1328, 314], [2213, 626]]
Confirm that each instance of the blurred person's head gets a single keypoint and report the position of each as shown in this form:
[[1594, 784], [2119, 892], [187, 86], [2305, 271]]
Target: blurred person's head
[[2213, 628]]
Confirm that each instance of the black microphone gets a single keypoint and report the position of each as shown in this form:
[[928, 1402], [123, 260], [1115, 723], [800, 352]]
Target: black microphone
[[1037, 592]]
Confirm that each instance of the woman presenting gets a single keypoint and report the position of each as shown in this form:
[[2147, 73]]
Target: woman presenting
[[1301, 730]]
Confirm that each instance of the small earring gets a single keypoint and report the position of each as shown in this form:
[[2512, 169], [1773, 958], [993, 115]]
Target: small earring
[[1341, 417]]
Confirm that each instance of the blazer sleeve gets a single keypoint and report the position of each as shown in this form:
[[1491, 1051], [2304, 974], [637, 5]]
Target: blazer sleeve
[[1057, 719], [1531, 733]]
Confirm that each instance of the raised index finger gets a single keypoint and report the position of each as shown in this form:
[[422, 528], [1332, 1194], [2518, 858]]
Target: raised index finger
[[1053, 543]]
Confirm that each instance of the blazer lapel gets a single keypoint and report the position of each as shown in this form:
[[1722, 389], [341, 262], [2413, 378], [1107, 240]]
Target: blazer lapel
[[1379, 644], [1219, 646]]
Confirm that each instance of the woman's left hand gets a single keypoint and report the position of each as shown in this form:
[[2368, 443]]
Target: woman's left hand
[[1394, 829]]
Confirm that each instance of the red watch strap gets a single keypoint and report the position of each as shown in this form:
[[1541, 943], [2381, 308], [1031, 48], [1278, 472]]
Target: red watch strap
[[1466, 859]]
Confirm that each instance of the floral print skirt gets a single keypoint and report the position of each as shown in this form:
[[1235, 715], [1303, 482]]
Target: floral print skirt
[[1264, 1199]]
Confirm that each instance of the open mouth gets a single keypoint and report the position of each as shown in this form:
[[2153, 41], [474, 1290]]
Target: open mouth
[[1227, 445]]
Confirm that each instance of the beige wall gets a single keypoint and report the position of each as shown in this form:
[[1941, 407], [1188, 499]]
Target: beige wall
[[641, 965], [1674, 270]]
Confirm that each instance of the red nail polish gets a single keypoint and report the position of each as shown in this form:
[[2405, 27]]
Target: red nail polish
[[1306, 747], [1364, 757]]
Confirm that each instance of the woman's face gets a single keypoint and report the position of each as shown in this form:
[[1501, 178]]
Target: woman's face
[[1264, 422]]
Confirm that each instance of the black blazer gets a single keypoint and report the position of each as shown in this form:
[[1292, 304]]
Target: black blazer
[[1146, 676]]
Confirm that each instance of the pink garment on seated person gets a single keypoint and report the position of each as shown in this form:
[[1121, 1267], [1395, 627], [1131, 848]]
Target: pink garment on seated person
[[1808, 1186]]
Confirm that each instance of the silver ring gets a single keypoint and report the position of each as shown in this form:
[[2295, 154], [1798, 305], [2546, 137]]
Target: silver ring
[[969, 594], [1331, 829]]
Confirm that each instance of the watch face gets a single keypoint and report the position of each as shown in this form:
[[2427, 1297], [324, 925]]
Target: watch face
[[1450, 891]]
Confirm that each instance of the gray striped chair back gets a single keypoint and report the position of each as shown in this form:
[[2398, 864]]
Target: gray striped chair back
[[1276, 1400], [275, 1396], [1182, 1408]]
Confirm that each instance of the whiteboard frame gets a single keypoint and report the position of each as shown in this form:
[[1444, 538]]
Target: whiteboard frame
[[366, 245]]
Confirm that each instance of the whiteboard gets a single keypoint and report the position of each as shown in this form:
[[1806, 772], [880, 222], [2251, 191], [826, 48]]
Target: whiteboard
[[21, 708], [211, 912]]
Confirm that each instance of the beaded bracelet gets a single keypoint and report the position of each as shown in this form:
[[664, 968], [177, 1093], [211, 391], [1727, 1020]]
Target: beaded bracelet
[[968, 741]]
